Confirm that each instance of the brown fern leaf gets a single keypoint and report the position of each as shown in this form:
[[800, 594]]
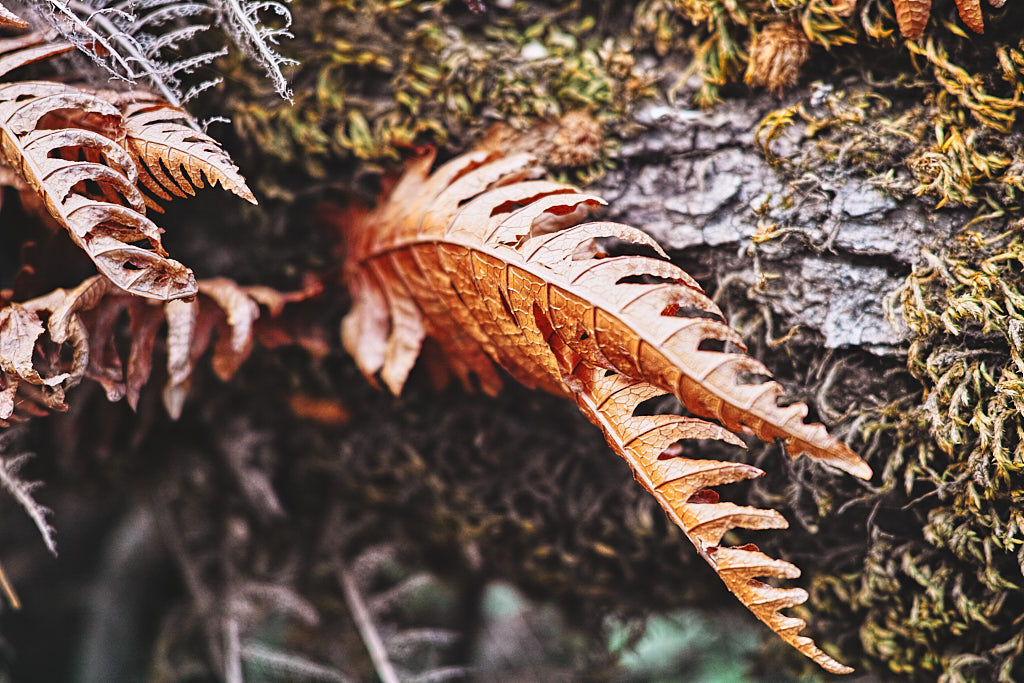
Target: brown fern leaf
[[491, 264], [36, 368], [43, 144], [171, 155]]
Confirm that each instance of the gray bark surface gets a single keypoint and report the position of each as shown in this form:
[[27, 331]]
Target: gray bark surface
[[699, 183]]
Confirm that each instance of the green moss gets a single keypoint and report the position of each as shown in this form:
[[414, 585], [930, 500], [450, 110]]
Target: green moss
[[378, 77], [938, 589]]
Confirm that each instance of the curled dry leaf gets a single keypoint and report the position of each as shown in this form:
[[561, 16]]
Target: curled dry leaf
[[35, 338], [491, 264], [35, 373], [65, 142], [20, 329]]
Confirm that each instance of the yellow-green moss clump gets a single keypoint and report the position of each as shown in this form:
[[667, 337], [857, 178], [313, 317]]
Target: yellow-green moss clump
[[938, 591], [378, 77]]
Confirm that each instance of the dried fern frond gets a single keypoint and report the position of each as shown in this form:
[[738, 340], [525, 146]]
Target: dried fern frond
[[129, 47], [89, 321], [66, 145], [492, 265], [257, 26], [87, 155], [171, 156]]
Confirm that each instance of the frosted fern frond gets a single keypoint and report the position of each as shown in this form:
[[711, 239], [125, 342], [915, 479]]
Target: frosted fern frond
[[22, 492], [257, 37], [146, 41], [135, 41]]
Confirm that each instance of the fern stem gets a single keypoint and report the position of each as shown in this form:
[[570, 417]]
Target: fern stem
[[367, 630], [72, 9]]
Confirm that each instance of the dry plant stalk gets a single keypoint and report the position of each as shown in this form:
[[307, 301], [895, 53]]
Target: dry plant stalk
[[5, 584], [491, 263]]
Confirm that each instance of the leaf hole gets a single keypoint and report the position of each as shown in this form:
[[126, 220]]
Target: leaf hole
[[664, 404], [711, 344], [674, 450], [543, 324], [645, 279], [505, 305], [514, 204], [704, 497], [784, 401], [109, 126], [616, 246], [677, 311]]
